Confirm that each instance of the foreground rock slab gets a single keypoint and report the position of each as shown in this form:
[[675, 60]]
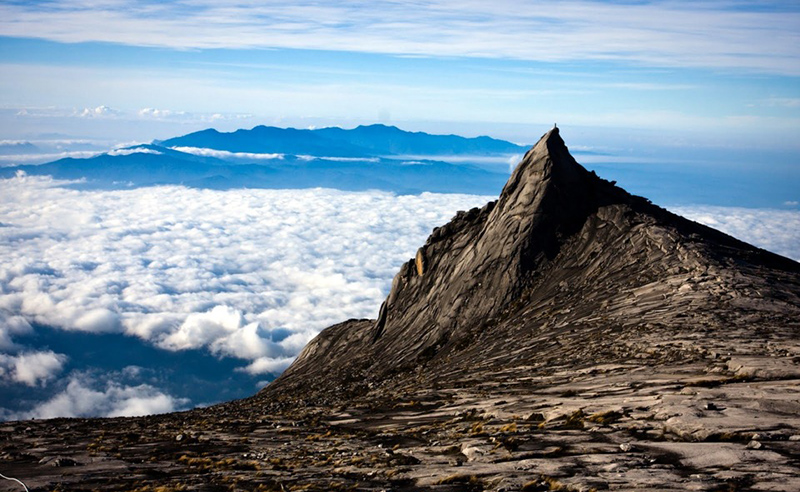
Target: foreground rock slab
[[624, 427]]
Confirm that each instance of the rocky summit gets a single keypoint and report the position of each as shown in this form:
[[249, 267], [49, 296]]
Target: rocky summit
[[568, 336]]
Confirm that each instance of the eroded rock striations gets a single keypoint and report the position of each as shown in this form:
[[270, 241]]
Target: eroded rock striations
[[564, 266], [568, 336]]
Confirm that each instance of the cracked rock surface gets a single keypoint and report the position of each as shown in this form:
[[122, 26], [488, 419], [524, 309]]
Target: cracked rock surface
[[568, 336]]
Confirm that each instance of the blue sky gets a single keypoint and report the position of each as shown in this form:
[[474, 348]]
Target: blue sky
[[719, 74]]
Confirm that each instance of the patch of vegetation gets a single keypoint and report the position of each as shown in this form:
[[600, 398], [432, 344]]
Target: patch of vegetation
[[208, 464], [161, 488], [713, 383], [471, 414], [606, 418], [509, 428], [477, 428], [510, 443], [317, 437], [704, 383], [735, 484], [536, 417], [545, 484], [327, 486], [575, 420], [728, 437], [465, 479]]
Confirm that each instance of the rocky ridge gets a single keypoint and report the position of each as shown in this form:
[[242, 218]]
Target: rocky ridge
[[562, 256], [569, 336]]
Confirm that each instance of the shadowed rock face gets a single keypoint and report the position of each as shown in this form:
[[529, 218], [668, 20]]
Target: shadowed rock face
[[564, 254], [569, 336]]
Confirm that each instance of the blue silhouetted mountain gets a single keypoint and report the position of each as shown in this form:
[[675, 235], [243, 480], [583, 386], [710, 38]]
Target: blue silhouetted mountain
[[147, 165], [390, 140], [267, 139], [362, 141]]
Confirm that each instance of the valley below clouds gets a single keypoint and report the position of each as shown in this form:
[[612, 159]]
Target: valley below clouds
[[203, 295]]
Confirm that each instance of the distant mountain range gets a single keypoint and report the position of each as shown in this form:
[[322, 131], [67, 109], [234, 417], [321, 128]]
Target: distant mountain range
[[363, 158], [362, 141]]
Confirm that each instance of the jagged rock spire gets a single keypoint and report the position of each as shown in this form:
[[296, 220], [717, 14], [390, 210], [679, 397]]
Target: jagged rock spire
[[484, 258], [561, 249]]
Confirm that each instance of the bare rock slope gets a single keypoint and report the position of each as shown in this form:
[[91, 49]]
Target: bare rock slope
[[564, 269], [568, 336]]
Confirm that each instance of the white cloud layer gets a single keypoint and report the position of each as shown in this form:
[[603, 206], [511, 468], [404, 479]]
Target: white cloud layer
[[719, 34], [775, 230], [249, 274], [84, 397], [24, 159], [31, 368]]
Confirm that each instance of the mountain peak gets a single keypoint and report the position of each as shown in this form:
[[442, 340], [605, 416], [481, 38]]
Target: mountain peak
[[547, 169], [472, 269], [558, 240], [549, 159], [552, 137]]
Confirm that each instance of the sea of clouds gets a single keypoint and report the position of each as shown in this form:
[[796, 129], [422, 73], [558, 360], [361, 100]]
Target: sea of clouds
[[250, 274], [775, 230], [247, 274]]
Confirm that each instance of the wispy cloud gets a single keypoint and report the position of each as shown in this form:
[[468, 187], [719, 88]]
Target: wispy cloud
[[649, 86], [98, 112], [135, 150], [784, 102], [103, 111], [721, 34], [184, 116], [156, 113], [224, 154]]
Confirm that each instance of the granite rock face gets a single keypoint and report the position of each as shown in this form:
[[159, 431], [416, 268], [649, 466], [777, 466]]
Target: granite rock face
[[568, 336], [564, 261]]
